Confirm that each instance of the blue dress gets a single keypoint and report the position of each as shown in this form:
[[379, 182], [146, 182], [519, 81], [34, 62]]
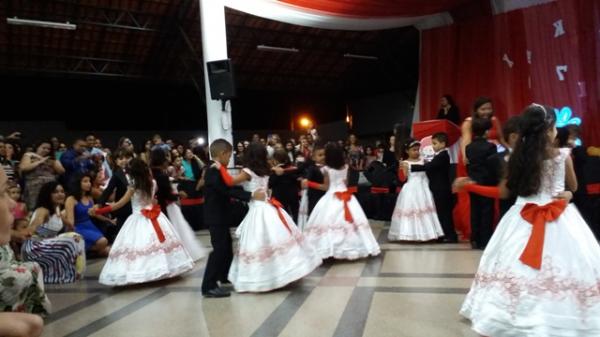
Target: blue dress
[[84, 225]]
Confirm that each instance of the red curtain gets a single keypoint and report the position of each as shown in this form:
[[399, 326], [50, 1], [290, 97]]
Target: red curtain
[[513, 58], [378, 8]]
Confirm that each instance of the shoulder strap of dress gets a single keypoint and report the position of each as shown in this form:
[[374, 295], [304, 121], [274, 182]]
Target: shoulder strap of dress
[[32, 217], [249, 171]]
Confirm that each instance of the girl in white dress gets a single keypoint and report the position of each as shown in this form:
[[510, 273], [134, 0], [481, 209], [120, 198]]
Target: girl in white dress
[[147, 248], [168, 199], [338, 226], [271, 252], [415, 217], [540, 273]]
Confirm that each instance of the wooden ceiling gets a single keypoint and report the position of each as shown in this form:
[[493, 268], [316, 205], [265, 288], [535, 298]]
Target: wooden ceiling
[[160, 40]]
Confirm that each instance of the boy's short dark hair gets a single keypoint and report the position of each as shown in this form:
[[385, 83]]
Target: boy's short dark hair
[[562, 136], [281, 156], [479, 126], [219, 146], [511, 126], [574, 130], [441, 137]]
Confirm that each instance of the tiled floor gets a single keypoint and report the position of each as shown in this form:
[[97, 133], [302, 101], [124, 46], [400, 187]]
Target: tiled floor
[[411, 290]]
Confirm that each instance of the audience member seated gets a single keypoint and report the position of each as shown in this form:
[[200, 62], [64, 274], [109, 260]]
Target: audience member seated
[[61, 256]]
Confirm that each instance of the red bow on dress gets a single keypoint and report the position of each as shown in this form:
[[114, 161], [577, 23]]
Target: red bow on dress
[[538, 216], [153, 214], [345, 197], [278, 206]]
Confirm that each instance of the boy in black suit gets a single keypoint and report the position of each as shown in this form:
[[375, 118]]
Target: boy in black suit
[[285, 187], [482, 169], [439, 183], [311, 170], [217, 215], [511, 132], [314, 174], [118, 184]]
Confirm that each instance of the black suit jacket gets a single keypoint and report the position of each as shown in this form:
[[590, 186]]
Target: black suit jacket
[[389, 158], [217, 199], [117, 182], [285, 187], [579, 161], [437, 171], [313, 173], [483, 161]]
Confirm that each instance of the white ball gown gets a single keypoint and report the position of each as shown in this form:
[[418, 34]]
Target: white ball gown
[[509, 298], [303, 210], [138, 255], [185, 233], [415, 217], [337, 228], [271, 252]]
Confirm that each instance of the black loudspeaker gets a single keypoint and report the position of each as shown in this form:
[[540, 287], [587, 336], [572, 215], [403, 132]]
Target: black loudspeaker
[[220, 79]]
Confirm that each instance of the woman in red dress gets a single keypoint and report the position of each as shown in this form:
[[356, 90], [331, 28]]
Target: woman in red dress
[[482, 108]]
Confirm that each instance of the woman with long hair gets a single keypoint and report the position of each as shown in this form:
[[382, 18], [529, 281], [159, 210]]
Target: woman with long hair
[[482, 108], [61, 256]]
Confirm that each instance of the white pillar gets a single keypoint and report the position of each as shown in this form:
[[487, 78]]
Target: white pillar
[[417, 107], [214, 47]]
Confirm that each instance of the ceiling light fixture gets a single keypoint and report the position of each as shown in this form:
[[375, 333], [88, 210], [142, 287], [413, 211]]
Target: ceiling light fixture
[[38, 23], [364, 57], [278, 49]]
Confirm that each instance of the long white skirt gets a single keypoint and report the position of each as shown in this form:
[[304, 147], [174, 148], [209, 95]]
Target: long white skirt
[[303, 210], [137, 256], [415, 217], [329, 232], [511, 299], [185, 233], [270, 255]]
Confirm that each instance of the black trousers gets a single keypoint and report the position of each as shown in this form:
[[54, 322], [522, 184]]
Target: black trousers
[[444, 203], [505, 205], [194, 215], [292, 207], [219, 260], [482, 219], [586, 207]]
